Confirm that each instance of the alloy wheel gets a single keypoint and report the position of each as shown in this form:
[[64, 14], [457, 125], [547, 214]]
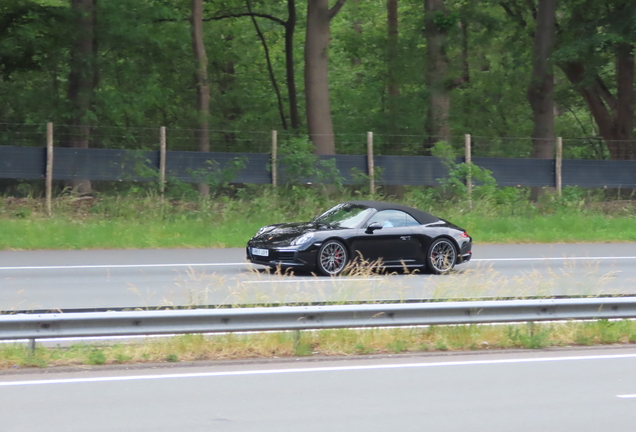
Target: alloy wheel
[[332, 258], [442, 256]]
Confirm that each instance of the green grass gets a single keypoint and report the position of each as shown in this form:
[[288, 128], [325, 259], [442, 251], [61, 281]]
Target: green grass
[[551, 228], [327, 343], [146, 221]]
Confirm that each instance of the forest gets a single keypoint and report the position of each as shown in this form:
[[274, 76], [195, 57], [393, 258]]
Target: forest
[[515, 74]]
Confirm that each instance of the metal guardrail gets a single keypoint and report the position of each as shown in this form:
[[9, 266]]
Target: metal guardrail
[[316, 303], [94, 324]]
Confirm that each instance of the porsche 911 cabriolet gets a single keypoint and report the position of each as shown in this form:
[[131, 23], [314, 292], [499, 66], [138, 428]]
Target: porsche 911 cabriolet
[[393, 235]]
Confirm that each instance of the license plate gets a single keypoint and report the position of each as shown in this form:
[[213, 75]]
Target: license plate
[[260, 252]]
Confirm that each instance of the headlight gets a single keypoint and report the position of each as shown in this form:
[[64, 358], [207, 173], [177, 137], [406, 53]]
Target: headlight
[[264, 230], [302, 239]]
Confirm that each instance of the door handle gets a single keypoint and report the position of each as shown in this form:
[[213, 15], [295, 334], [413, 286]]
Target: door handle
[[405, 238]]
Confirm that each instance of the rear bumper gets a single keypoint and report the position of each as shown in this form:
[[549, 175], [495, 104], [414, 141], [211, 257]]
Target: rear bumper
[[466, 252], [464, 258]]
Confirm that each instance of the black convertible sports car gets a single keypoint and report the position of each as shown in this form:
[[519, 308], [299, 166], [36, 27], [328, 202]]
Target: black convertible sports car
[[394, 234]]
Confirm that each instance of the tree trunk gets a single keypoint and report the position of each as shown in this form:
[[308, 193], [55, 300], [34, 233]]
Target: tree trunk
[[613, 115], [357, 27], [393, 106], [392, 69], [290, 27], [202, 134], [81, 80], [319, 122], [624, 147], [437, 121], [541, 89]]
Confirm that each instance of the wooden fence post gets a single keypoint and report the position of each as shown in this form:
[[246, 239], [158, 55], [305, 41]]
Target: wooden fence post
[[559, 166], [49, 168], [162, 160], [274, 158], [469, 176], [370, 166]]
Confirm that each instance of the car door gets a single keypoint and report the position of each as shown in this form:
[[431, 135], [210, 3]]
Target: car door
[[393, 244]]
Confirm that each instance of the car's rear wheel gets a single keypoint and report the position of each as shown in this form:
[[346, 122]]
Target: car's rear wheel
[[332, 258], [442, 256]]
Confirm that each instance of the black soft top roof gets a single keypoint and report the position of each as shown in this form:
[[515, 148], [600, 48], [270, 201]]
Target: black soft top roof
[[422, 217]]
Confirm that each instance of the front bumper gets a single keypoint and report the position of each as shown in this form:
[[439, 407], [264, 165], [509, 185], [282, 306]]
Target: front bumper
[[284, 257]]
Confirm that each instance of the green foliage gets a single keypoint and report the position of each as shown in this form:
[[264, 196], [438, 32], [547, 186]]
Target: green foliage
[[122, 358], [172, 358], [217, 177], [302, 166], [145, 69], [30, 34], [361, 180], [445, 21], [530, 337], [441, 346], [455, 183], [397, 346], [610, 331], [362, 349], [96, 357]]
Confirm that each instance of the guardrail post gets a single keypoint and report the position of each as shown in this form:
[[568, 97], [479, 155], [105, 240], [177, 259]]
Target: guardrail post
[[31, 346], [531, 328], [296, 339]]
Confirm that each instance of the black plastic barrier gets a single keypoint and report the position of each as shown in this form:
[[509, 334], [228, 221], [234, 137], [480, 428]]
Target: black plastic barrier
[[133, 165]]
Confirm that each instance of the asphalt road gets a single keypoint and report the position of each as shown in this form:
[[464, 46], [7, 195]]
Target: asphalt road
[[148, 278], [587, 390]]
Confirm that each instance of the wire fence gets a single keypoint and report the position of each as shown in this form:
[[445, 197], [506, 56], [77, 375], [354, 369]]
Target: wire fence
[[179, 139], [137, 154]]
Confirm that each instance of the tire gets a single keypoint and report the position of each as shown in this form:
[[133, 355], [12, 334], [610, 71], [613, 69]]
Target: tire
[[441, 257], [332, 258]]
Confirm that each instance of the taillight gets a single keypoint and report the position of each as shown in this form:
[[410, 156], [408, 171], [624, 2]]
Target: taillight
[[464, 234]]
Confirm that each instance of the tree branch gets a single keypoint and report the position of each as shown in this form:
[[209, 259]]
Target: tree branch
[[270, 69], [607, 96], [249, 14], [516, 16], [336, 8]]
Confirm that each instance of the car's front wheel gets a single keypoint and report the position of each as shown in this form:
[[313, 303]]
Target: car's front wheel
[[332, 258], [442, 256]]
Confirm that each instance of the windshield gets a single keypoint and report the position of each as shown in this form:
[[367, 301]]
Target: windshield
[[344, 215]]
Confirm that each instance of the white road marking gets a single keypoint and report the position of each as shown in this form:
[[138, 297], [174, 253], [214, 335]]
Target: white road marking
[[626, 396], [313, 279], [112, 266], [109, 266], [316, 369], [556, 259]]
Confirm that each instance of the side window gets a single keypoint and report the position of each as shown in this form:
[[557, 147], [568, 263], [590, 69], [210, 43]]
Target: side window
[[393, 218], [410, 220]]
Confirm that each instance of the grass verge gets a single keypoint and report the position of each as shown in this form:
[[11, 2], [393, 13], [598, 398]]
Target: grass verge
[[147, 221], [341, 342]]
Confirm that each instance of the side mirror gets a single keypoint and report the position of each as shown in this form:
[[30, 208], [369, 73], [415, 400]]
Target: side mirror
[[372, 227]]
